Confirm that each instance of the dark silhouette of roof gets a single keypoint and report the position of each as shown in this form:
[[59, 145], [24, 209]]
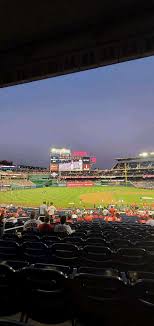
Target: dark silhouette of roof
[[46, 38]]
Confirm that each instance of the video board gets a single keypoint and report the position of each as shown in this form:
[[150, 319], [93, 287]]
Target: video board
[[60, 152], [71, 166]]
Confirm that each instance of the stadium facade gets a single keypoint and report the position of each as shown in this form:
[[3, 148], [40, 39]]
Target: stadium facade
[[76, 168], [65, 160]]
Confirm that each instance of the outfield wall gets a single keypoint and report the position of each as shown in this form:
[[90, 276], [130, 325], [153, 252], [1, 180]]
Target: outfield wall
[[80, 184], [69, 184]]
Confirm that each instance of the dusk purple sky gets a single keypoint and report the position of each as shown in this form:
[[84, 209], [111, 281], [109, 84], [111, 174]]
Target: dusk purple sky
[[107, 111]]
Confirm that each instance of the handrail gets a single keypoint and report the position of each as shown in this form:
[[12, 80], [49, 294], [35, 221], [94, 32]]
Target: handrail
[[14, 228]]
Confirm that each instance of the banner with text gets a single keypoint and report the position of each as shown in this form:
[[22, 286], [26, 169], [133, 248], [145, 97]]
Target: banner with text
[[80, 184]]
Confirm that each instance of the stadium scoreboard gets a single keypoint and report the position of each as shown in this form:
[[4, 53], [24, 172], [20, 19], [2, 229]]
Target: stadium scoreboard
[[63, 160]]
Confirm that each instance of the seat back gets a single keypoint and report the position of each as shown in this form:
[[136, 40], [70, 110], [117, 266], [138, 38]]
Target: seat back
[[10, 295], [64, 253], [95, 240], [99, 298], [30, 237], [74, 240], [45, 292], [136, 255]]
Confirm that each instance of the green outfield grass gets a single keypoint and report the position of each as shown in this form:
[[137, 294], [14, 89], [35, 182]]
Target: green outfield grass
[[78, 197]]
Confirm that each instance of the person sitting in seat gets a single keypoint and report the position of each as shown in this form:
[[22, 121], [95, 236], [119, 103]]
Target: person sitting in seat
[[31, 224], [46, 227], [63, 227], [118, 217], [112, 211], [150, 220], [74, 216], [88, 218], [69, 219], [109, 218]]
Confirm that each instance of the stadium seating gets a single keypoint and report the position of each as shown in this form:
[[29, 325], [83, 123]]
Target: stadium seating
[[95, 241], [11, 323], [75, 240], [9, 250], [100, 299], [62, 268], [46, 295], [101, 278], [10, 294], [11, 236], [30, 237], [65, 254], [121, 243]]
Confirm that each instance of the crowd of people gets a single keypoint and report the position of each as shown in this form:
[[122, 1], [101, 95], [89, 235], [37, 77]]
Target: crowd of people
[[48, 219]]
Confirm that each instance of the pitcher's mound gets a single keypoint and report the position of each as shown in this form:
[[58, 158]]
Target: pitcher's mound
[[97, 197]]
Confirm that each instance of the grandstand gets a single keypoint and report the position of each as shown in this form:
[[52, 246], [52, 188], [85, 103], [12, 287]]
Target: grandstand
[[39, 179], [139, 170], [13, 180], [134, 171], [21, 176], [101, 271], [75, 167]]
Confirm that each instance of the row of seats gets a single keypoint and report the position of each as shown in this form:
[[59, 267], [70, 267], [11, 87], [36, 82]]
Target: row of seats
[[129, 277], [49, 294], [81, 240], [72, 255]]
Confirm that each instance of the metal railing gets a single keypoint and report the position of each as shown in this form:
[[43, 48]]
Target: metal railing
[[13, 228]]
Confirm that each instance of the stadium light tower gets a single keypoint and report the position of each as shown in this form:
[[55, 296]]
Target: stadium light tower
[[144, 154], [126, 177]]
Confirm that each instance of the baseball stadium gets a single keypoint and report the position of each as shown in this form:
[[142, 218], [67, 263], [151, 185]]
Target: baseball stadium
[[76, 241], [72, 181]]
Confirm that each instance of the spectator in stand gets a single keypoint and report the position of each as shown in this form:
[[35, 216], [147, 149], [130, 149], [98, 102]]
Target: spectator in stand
[[43, 209], [118, 217], [2, 211], [63, 227], [51, 210], [105, 211], [142, 220], [101, 216], [69, 219], [80, 218], [74, 217], [109, 218], [150, 221], [41, 218], [78, 211], [31, 224], [12, 219], [112, 211], [88, 218], [2, 224], [46, 227]]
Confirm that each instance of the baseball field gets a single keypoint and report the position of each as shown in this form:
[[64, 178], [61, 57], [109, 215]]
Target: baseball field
[[79, 197]]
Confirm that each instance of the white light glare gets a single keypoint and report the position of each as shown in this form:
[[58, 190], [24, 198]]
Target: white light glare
[[144, 154]]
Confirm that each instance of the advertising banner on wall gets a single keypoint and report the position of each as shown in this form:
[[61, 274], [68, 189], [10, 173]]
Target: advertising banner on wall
[[80, 184]]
